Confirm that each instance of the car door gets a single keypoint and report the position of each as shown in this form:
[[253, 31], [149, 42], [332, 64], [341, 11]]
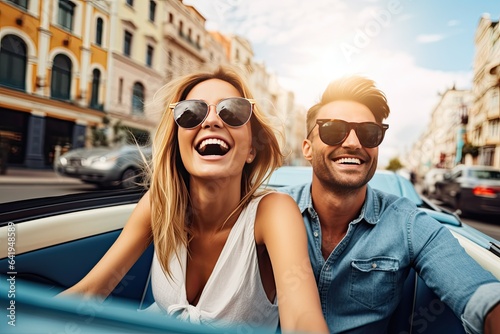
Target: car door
[[449, 187], [57, 240], [453, 188]]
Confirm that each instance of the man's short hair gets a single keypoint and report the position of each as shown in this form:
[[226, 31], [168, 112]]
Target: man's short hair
[[353, 88]]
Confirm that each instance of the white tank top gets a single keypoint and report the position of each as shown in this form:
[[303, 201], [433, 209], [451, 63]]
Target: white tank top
[[233, 294]]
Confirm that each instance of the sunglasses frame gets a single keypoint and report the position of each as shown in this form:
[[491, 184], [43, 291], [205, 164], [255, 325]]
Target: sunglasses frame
[[351, 126], [251, 101]]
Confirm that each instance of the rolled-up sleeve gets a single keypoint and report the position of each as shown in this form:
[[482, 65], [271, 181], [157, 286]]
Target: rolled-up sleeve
[[480, 303]]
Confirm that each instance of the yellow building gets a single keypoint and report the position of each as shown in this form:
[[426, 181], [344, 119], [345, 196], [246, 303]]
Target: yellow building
[[53, 72]]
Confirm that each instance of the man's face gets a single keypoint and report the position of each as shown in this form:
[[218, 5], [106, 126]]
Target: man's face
[[348, 166]]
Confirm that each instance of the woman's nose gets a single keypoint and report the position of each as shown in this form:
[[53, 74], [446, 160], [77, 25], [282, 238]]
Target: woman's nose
[[212, 118]]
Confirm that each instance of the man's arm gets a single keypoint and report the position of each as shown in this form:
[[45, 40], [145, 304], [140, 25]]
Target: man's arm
[[439, 257]]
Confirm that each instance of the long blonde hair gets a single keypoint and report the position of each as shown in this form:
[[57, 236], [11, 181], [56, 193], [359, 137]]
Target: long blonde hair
[[169, 180]]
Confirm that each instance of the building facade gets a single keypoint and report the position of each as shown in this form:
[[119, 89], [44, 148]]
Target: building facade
[[441, 144], [465, 125], [51, 77], [135, 60], [484, 118], [78, 73]]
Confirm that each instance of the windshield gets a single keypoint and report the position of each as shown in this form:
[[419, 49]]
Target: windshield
[[486, 174]]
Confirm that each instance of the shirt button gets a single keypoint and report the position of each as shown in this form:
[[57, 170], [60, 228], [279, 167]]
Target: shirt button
[[374, 265], [316, 234]]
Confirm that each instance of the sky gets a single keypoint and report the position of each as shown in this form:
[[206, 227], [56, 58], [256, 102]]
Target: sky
[[413, 49]]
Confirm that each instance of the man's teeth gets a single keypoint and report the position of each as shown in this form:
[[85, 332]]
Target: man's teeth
[[213, 141], [349, 161]]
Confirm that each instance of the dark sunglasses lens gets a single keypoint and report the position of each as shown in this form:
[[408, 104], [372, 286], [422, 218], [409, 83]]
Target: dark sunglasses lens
[[369, 135], [234, 111], [190, 114], [333, 133]]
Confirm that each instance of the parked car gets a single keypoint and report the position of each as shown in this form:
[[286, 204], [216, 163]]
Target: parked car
[[105, 167], [432, 176], [471, 189], [55, 241]]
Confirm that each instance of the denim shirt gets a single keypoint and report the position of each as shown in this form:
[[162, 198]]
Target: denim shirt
[[361, 282]]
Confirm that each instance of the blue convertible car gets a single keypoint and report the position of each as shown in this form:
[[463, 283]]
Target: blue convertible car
[[49, 244]]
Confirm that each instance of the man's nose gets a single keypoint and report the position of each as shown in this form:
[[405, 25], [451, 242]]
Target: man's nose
[[352, 139]]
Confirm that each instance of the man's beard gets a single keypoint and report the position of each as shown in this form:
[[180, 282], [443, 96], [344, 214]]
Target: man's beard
[[339, 184]]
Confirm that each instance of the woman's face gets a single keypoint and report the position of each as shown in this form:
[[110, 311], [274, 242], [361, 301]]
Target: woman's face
[[213, 149]]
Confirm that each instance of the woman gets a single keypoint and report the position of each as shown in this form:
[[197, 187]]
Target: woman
[[223, 252]]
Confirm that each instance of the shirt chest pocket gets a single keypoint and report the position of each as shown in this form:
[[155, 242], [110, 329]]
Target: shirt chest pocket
[[373, 281]]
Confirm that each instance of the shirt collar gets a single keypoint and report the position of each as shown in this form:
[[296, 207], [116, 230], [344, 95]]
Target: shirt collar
[[370, 211]]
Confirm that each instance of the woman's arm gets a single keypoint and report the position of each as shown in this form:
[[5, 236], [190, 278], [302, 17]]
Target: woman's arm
[[121, 256], [280, 227], [492, 321]]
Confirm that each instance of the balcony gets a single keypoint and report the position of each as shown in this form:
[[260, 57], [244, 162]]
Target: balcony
[[173, 34]]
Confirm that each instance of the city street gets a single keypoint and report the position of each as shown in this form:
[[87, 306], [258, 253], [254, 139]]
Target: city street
[[487, 225], [16, 192]]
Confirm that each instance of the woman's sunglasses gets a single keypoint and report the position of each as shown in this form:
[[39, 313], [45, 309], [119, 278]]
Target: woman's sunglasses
[[334, 131], [234, 111]]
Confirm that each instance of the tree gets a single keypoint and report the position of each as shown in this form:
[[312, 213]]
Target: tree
[[99, 137], [394, 165], [468, 148]]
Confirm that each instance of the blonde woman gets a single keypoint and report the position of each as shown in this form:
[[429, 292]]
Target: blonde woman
[[225, 252]]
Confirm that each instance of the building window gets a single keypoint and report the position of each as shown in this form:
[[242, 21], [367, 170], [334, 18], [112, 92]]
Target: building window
[[487, 155], [152, 10], [98, 31], [181, 64], [494, 129], [120, 90], [495, 100], [127, 44], [170, 58], [181, 27], [96, 82], [20, 3], [60, 85], [170, 18], [149, 56], [66, 14], [130, 3], [13, 61], [138, 99]]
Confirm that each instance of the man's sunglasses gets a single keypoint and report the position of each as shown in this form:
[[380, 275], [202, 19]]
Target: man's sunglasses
[[234, 111], [334, 131]]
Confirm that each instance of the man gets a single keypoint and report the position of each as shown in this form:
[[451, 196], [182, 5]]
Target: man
[[363, 242]]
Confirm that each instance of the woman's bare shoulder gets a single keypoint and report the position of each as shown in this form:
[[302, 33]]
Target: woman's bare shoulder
[[274, 200]]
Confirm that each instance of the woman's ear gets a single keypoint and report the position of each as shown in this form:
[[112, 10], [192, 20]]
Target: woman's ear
[[251, 155], [307, 149]]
